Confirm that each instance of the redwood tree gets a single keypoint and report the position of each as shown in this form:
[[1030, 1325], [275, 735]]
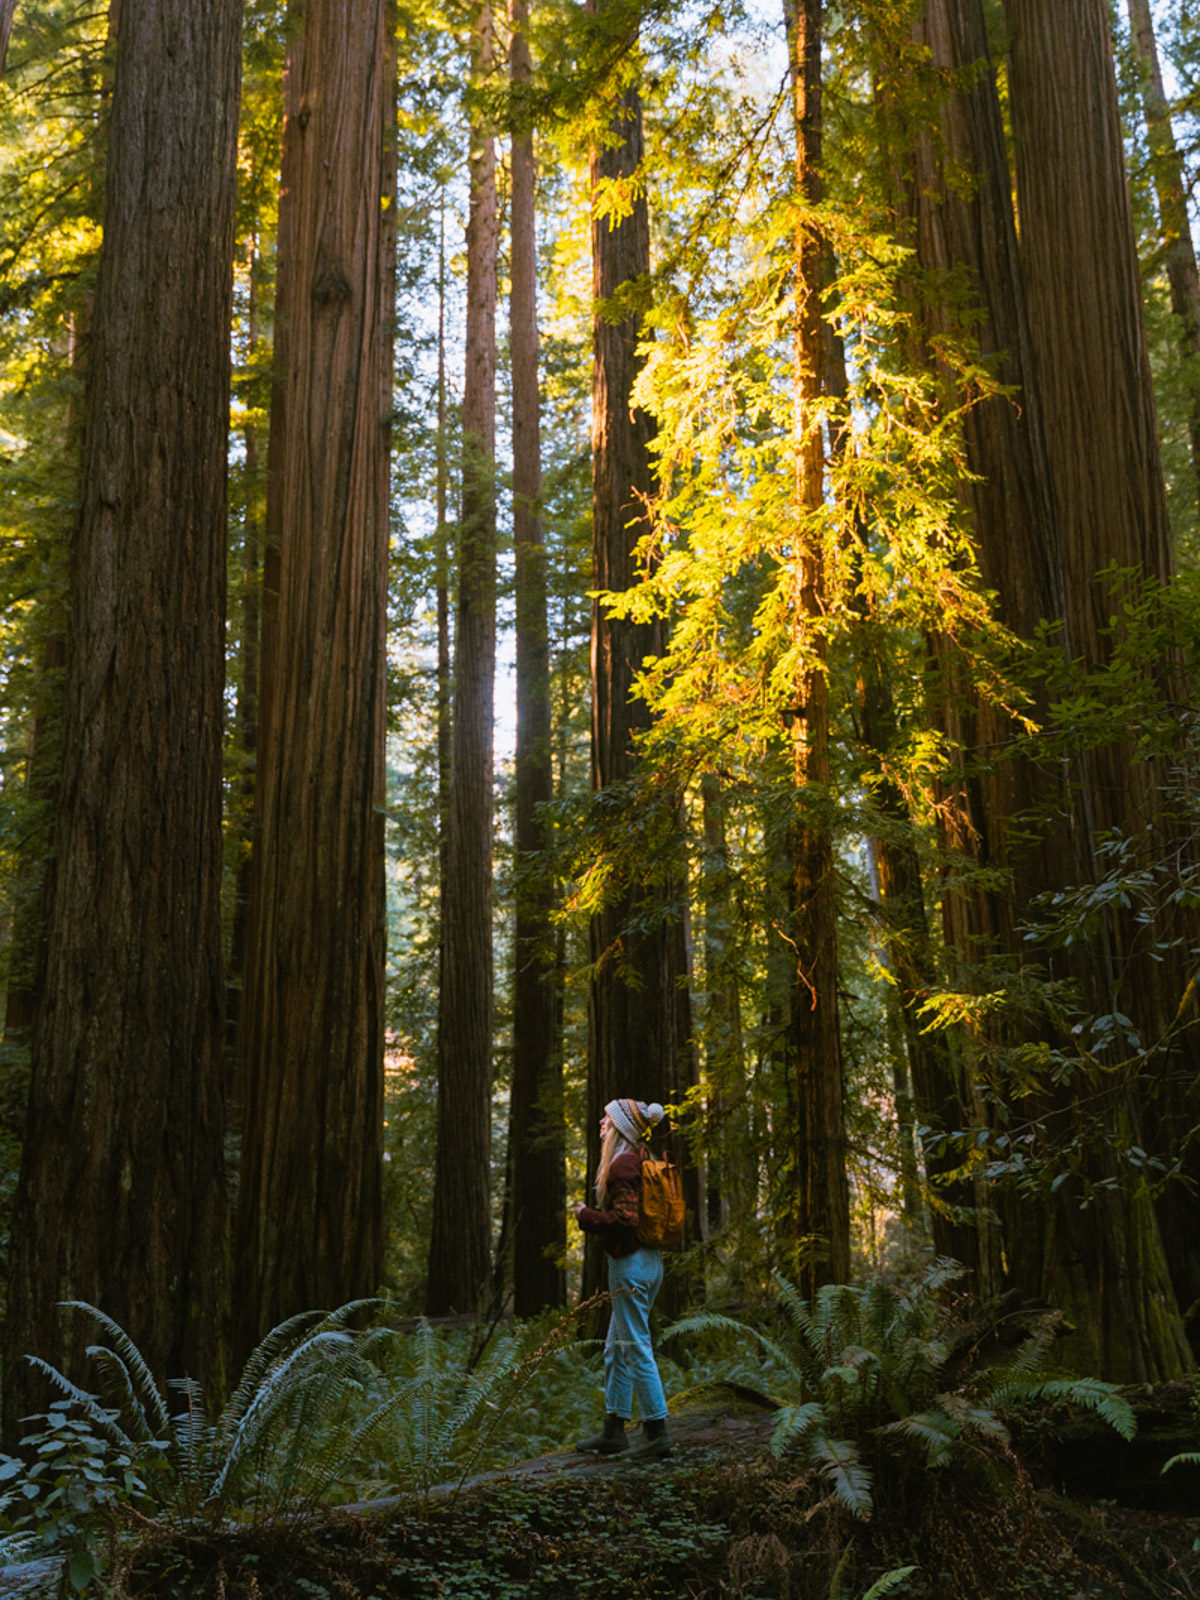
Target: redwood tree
[[639, 1013], [121, 1195], [1080, 271], [309, 1229], [536, 1146], [1170, 187], [819, 1221], [7, 8], [460, 1248], [1067, 482]]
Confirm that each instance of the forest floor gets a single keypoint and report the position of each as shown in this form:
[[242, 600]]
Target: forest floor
[[721, 1518]]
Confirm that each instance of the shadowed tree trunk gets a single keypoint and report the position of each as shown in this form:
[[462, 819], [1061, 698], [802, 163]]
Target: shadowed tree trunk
[[1063, 325], [959, 208], [121, 1195], [1171, 191], [309, 1228], [460, 1249], [732, 1158], [7, 8], [1080, 270], [819, 1226], [445, 685], [639, 1012], [537, 1137]]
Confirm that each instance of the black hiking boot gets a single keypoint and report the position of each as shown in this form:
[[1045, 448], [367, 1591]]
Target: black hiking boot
[[609, 1442], [656, 1442]]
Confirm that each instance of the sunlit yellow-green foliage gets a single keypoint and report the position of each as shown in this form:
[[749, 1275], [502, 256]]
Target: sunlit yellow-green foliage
[[722, 560]]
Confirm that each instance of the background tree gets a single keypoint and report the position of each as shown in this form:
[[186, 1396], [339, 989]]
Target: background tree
[[536, 1146], [7, 8], [1097, 397], [1170, 189], [639, 1012], [460, 1248], [126, 1047], [821, 1214]]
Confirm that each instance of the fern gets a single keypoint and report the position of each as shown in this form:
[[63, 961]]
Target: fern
[[794, 1364], [863, 1362], [102, 1419], [890, 1580], [150, 1397], [795, 1422], [933, 1430], [1094, 1395], [840, 1466]]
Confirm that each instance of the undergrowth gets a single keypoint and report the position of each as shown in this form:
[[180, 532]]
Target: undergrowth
[[747, 1531]]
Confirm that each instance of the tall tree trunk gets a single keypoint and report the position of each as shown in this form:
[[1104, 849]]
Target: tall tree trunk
[[820, 1223], [309, 1227], [7, 8], [537, 1136], [1174, 223], [732, 1169], [1080, 271], [1042, 534], [956, 224], [445, 686], [121, 1195], [460, 1248], [639, 1012]]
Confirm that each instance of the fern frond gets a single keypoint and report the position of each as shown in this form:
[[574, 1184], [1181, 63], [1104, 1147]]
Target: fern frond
[[192, 1444], [888, 1582], [121, 1389], [1188, 1458], [1031, 1353], [806, 1371], [1105, 1399], [279, 1389], [809, 1356], [794, 1424], [101, 1418], [153, 1403], [846, 1475], [265, 1355], [934, 1430]]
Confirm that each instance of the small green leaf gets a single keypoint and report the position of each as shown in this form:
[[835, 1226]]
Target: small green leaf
[[81, 1569]]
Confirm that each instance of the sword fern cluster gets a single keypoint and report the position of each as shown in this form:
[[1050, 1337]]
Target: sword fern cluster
[[862, 1365]]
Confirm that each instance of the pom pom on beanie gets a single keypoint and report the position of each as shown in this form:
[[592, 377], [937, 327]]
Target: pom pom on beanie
[[634, 1119]]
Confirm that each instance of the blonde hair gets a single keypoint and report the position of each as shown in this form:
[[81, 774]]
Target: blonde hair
[[612, 1145]]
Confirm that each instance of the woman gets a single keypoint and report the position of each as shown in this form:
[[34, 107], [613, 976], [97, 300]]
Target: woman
[[635, 1274]]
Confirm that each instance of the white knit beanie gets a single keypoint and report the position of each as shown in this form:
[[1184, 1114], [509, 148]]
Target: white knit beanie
[[634, 1118]]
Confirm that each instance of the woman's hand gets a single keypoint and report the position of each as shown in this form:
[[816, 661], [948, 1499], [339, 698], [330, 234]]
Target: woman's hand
[[578, 1209]]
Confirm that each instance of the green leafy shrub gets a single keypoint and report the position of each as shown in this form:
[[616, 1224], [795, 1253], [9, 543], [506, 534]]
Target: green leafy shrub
[[864, 1365], [68, 1492]]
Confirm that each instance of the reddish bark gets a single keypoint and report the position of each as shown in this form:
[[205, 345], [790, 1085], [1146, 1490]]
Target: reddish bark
[[121, 1196], [309, 1227], [460, 1248], [537, 1138]]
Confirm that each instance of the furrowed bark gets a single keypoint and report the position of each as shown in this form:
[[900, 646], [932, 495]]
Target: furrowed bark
[[121, 1195], [309, 1225], [460, 1249]]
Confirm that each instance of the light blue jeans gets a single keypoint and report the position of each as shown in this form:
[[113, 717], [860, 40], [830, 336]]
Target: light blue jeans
[[629, 1364]]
